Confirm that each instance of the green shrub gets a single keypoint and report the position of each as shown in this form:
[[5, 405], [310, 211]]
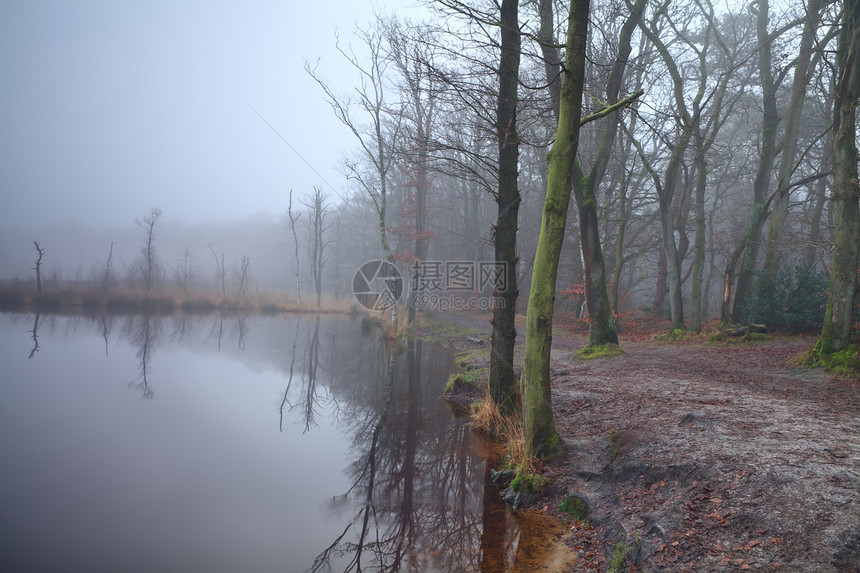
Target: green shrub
[[574, 506], [790, 300]]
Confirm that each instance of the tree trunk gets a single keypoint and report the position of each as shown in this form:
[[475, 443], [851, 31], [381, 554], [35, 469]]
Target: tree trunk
[[661, 288], [38, 267], [836, 333], [699, 244], [601, 326], [293, 221], [770, 123], [792, 126], [619, 250], [541, 437], [502, 380], [549, 52]]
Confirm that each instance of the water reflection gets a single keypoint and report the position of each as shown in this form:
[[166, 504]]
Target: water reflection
[[400, 484], [35, 336], [417, 479], [143, 332]]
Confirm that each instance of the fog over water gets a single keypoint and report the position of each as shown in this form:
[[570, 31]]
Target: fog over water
[[109, 109], [238, 443]]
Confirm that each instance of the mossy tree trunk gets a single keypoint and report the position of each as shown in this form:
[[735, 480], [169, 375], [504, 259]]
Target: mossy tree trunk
[[601, 325], [541, 437], [502, 380], [836, 333]]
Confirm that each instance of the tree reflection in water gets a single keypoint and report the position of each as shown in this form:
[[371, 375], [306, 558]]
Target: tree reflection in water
[[35, 337], [143, 332], [418, 496], [417, 483]]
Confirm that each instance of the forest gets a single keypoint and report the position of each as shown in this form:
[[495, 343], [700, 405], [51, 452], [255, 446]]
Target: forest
[[713, 159], [710, 149], [590, 163]]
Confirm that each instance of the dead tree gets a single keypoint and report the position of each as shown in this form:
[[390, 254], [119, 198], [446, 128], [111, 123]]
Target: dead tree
[[107, 278], [293, 221], [150, 265], [243, 275], [219, 266], [38, 267], [318, 223]]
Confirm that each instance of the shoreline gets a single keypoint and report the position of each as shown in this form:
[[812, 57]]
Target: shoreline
[[695, 456]]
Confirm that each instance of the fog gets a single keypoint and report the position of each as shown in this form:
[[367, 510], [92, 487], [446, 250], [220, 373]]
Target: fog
[[110, 108], [208, 112]]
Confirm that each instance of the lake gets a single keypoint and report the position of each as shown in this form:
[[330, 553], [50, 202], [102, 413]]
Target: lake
[[239, 443]]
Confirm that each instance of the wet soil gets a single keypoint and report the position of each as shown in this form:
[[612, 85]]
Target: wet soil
[[700, 457]]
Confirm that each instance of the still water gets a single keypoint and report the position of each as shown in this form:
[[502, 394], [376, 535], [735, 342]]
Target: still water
[[238, 444]]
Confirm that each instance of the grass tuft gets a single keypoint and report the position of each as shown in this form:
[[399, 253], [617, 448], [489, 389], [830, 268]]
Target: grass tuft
[[486, 417]]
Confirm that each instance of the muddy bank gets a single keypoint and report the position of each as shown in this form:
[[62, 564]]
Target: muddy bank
[[697, 457]]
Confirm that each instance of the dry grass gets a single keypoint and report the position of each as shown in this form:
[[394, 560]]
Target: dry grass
[[486, 417], [164, 301], [513, 433]]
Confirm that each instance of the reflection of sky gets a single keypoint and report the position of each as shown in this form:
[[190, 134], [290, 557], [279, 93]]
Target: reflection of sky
[[198, 478]]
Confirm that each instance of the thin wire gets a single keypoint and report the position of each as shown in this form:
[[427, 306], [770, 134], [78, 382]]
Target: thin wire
[[342, 198]]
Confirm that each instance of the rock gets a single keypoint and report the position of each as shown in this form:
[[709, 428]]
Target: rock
[[691, 419], [512, 497], [502, 476]]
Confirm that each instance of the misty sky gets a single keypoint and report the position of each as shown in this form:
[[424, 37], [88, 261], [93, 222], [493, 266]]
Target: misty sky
[[109, 108]]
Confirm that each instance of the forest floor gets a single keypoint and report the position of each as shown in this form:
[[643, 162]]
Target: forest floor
[[695, 456]]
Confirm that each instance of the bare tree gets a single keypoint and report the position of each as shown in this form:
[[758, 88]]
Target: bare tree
[[150, 265], [38, 267], [378, 137], [319, 215], [107, 277], [220, 268], [243, 275], [293, 221]]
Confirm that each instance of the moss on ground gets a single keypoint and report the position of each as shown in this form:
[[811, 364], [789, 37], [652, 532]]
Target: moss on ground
[[845, 362], [748, 338], [471, 379], [599, 351]]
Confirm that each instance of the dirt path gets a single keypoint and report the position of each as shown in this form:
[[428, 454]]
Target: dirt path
[[707, 458]]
